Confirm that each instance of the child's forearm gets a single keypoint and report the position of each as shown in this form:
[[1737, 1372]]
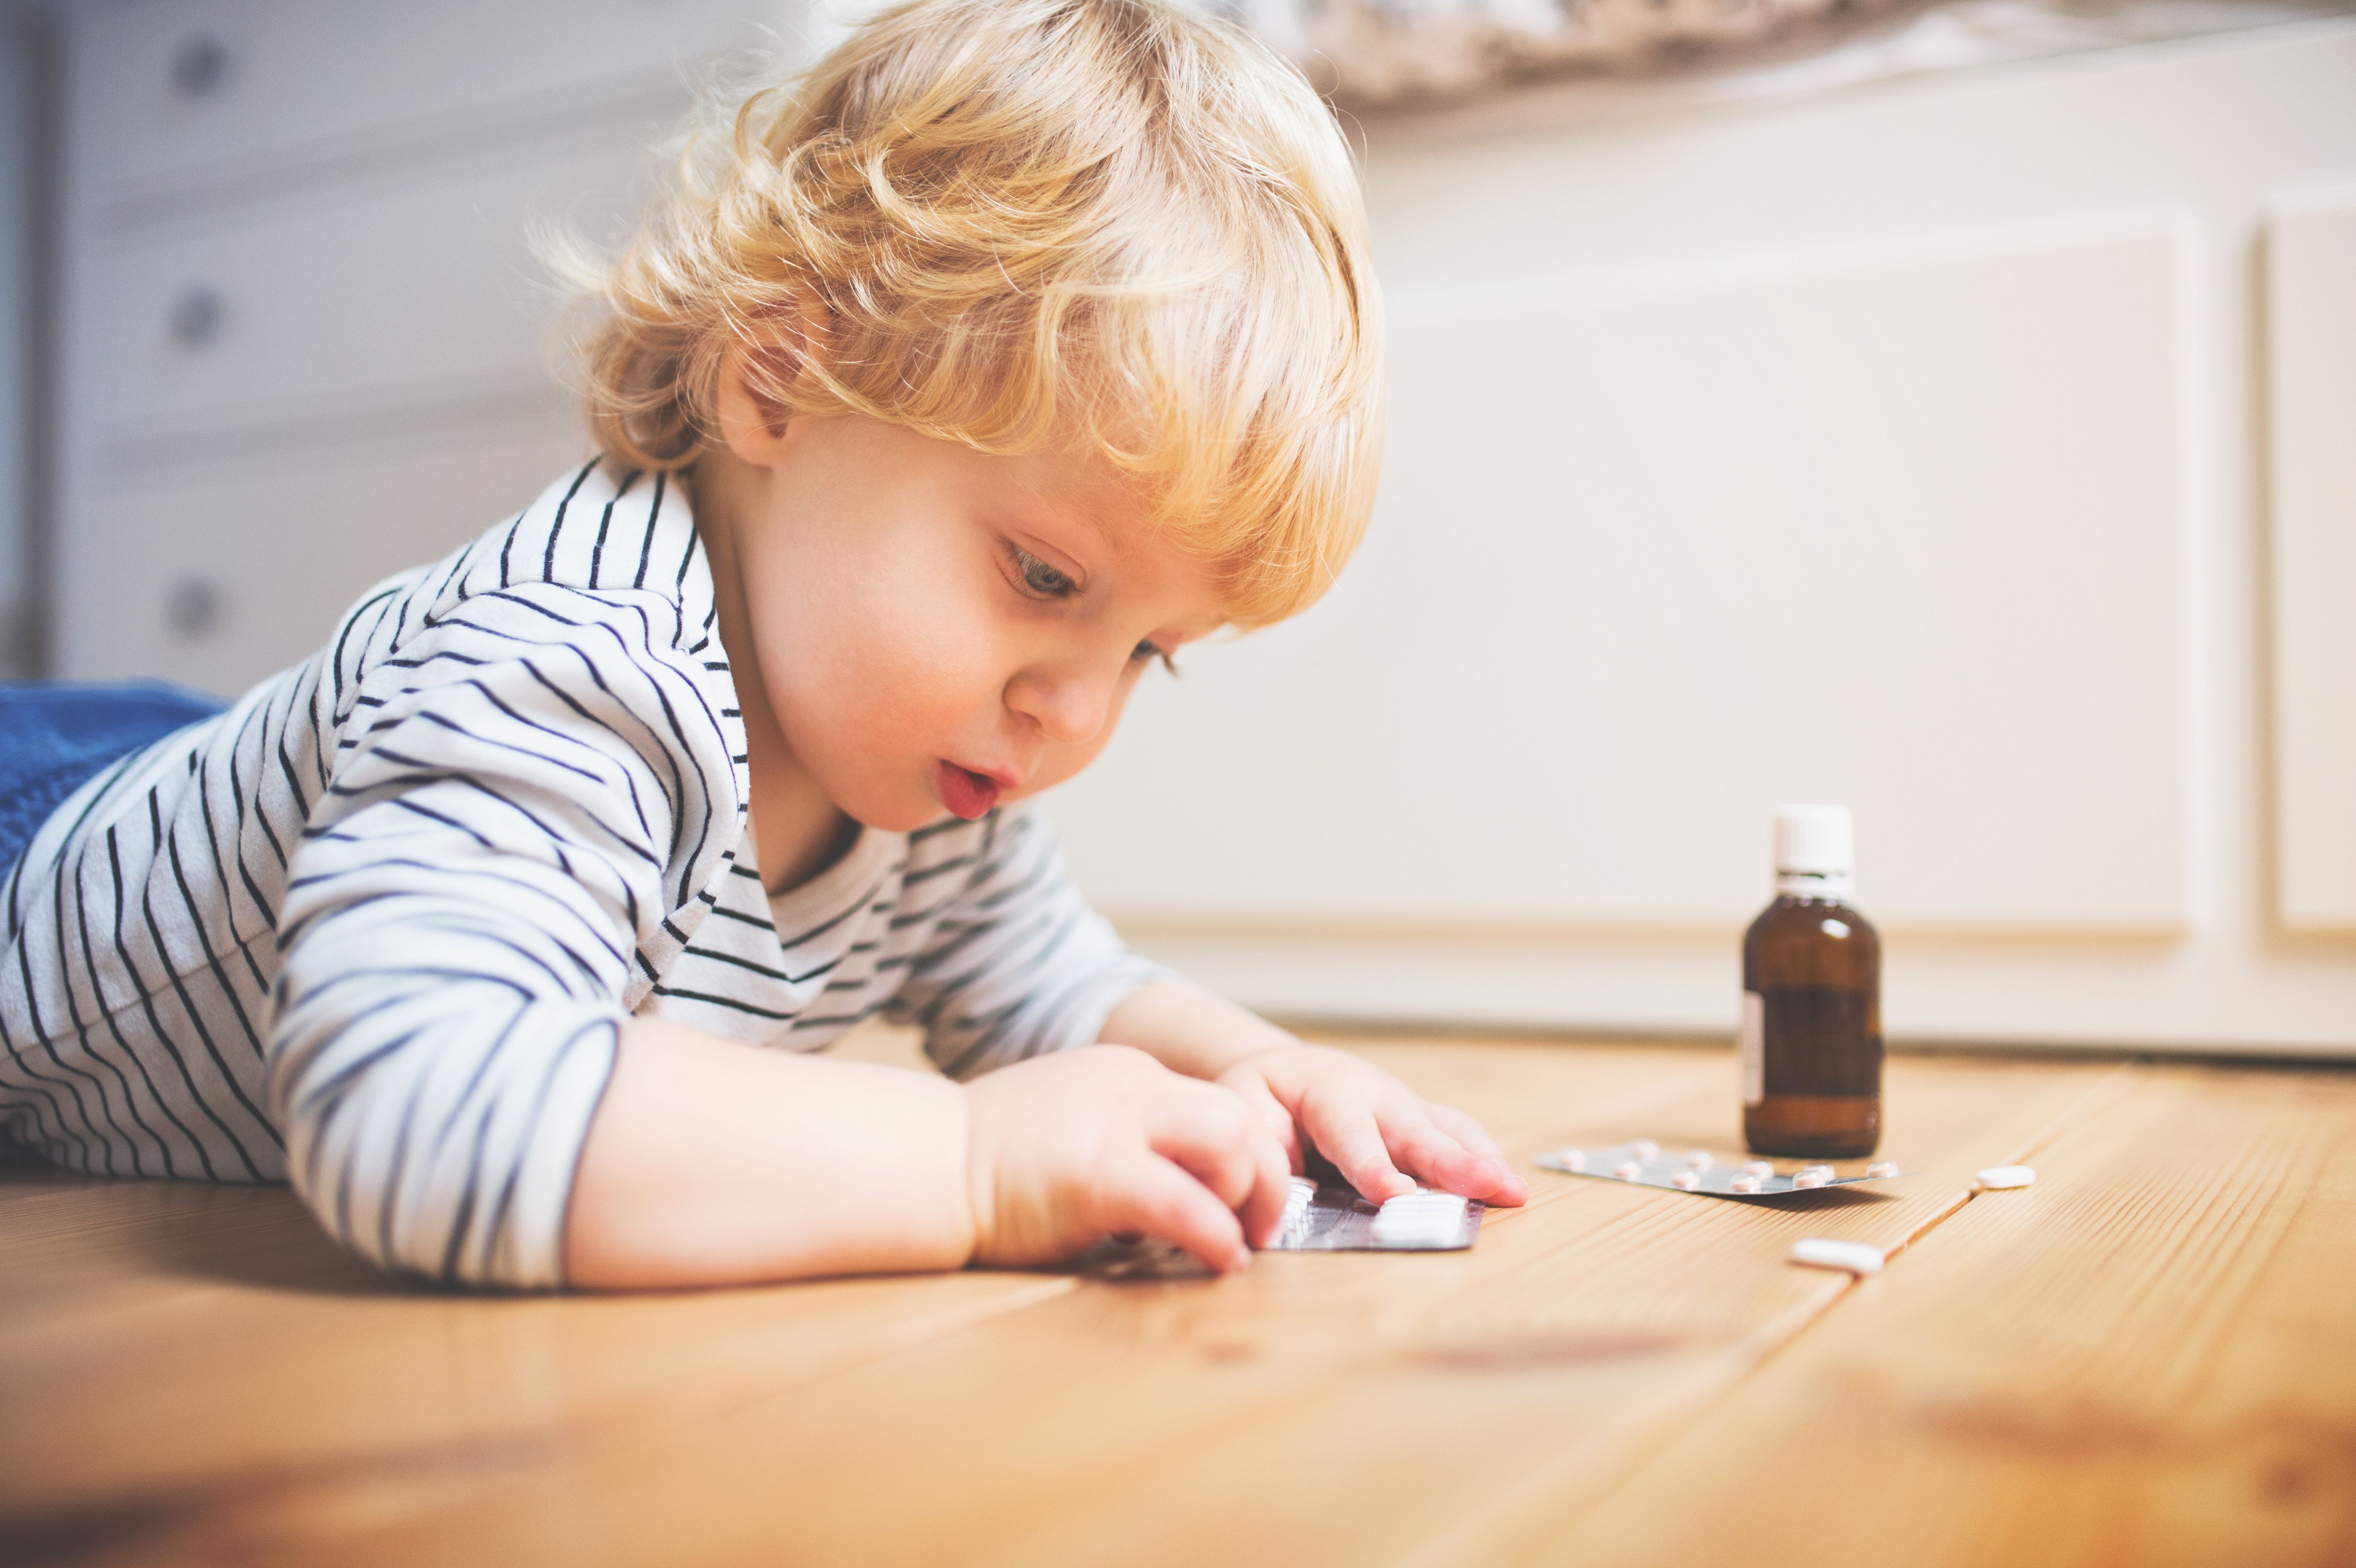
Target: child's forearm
[[715, 1163], [1189, 1029]]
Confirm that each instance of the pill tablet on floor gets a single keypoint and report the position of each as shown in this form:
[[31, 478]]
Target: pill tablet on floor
[[1997, 1178], [1822, 1252]]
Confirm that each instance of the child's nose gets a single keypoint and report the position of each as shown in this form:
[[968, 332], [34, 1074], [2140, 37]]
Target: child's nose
[[1069, 707]]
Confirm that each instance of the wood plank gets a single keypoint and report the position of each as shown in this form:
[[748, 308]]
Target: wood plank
[[1348, 1408], [194, 1371], [2149, 1357]]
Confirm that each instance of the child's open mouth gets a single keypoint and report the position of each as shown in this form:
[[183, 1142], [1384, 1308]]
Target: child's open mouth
[[967, 793]]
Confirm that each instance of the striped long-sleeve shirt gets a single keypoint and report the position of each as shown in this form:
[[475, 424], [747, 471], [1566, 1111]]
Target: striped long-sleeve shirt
[[374, 928]]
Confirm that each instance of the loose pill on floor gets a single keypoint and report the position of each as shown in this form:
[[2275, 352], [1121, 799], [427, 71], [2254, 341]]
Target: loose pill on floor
[[1822, 1252], [1997, 1178]]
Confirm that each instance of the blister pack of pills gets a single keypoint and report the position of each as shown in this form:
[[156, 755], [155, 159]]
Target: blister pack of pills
[[1643, 1164], [1334, 1219], [1317, 1219]]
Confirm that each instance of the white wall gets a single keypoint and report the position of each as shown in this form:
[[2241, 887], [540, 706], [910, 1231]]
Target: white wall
[[1898, 446]]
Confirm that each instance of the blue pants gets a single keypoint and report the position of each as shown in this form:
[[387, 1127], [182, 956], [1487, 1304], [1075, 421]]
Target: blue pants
[[56, 734]]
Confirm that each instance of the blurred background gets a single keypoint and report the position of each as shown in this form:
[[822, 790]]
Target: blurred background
[[1947, 410]]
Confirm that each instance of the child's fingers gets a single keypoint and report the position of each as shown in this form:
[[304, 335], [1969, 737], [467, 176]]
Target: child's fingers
[[1466, 1130], [1346, 1132], [1226, 1145], [1265, 1209], [1152, 1197], [1440, 1159], [1272, 1110]]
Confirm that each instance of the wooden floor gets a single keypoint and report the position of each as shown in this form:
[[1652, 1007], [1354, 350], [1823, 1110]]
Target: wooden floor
[[2147, 1357]]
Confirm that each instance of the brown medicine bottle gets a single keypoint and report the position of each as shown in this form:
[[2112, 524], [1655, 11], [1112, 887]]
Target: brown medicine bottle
[[1811, 1042]]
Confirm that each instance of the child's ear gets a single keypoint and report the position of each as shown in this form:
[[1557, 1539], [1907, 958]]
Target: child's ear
[[769, 356]]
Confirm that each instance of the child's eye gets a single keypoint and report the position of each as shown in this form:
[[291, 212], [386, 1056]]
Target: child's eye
[[1040, 578], [1145, 652]]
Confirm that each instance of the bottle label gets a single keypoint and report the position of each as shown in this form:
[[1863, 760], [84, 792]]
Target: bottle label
[[1752, 1044]]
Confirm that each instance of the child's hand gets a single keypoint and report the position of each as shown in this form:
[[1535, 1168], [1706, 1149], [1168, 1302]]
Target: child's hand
[[1379, 1135], [1067, 1149]]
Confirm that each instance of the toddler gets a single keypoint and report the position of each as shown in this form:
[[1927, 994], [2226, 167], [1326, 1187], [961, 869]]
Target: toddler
[[1018, 344]]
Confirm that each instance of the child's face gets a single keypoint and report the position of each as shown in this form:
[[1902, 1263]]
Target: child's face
[[936, 629]]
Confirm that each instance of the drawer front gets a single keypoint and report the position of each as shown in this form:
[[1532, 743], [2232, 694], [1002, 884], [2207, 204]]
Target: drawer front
[[360, 295], [188, 86], [221, 578]]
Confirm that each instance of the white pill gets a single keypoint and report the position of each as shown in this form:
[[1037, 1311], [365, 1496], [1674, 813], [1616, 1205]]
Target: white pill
[[1645, 1148], [1821, 1252], [1880, 1169], [1804, 1180], [1759, 1168], [1998, 1177], [1823, 1170], [1627, 1170], [1700, 1159], [1686, 1181], [1746, 1182], [1437, 1216], [1572, 1158]]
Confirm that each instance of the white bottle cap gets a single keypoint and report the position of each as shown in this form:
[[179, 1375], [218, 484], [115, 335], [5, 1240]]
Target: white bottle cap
[[1815, 854]]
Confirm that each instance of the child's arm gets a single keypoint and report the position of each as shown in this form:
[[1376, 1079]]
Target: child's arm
[[1378, 1132], [712, 1162]]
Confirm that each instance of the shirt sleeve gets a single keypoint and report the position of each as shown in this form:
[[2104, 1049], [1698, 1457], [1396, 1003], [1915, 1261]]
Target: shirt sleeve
[[466, 913], [1018, 964]]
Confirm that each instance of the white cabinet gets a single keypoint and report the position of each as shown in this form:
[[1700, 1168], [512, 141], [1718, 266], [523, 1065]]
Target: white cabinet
[[2311, 400], [367, 290], [172, 92], [1898, 446], [308, 341]]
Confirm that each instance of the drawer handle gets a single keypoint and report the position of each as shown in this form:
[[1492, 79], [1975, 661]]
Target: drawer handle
[[199, 66], [193, 608], [196, 317]]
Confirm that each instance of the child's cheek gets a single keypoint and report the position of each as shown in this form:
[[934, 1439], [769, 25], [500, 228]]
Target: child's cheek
[[916, 687]]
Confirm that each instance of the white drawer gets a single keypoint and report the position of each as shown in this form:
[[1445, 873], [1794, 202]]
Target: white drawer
[[225, 576], [390, 289], [175, 86]]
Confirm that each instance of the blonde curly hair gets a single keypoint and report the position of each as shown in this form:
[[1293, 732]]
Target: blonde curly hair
[[1115, 224]]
